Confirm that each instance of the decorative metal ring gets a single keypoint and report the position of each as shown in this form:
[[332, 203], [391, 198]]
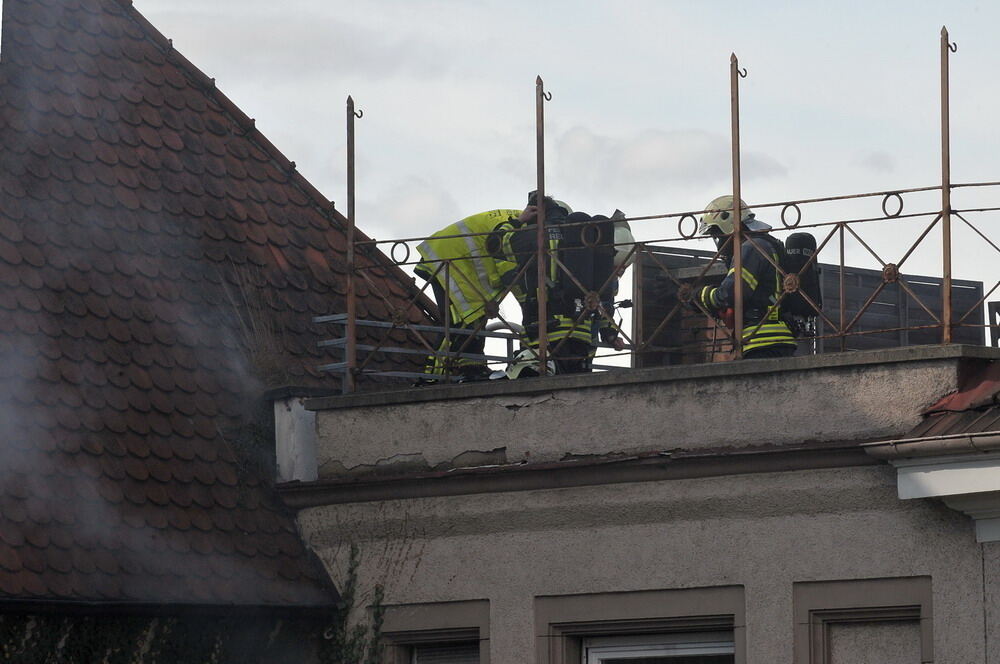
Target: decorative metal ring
[[885, 203], [680, 226], [590, 226], [798, 215], [591, 301], [890, 273], [392, 253], [791, 283], [685, 293]]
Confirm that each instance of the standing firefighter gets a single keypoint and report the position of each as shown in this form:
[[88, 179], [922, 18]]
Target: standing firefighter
[[467, 281], [765, 333]]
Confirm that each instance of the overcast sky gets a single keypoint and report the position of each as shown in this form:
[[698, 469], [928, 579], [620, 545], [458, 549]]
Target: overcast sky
[[841, 97]]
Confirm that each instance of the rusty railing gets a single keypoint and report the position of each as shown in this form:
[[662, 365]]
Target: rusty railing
[[449, 341]]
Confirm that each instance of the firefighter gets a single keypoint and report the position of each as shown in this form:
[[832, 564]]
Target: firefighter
[[456, 261], [765, 333], [585, 250]]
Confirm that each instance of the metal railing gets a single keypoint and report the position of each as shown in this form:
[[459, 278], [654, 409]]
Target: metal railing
[[452, 340]]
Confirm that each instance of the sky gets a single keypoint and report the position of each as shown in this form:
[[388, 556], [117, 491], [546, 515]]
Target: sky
[[840, 98]]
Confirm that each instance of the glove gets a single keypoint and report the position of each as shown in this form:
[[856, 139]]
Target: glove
[[728, 317]]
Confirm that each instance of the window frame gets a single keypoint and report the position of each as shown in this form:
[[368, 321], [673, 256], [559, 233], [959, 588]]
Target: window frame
[[563, 622], [820, 605], [409, 625], [682, 644]]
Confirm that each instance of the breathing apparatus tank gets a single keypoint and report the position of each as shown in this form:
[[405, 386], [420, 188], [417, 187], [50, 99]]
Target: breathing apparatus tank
[[799, 248]]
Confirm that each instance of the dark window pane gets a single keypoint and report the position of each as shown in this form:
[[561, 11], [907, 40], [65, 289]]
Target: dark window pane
[[447, 653], [683, 659]]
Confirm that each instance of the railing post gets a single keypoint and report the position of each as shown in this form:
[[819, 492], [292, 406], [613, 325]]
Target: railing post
[[734, 87], [842, 294], [638, 320], [946, 318], [350, 350], [446, 361], [540, 98]]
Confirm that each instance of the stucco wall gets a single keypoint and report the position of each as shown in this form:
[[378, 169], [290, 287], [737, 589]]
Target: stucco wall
[[837, 398], [762, 531], [878, 643], [991, 588]]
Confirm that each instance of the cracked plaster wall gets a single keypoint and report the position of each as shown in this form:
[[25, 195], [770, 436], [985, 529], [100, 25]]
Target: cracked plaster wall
[[831, 403]]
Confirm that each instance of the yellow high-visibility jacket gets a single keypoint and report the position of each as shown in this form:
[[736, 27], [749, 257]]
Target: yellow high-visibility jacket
[[473, 277]]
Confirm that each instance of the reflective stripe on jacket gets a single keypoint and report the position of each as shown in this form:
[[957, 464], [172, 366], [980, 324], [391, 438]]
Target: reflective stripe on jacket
[[762, 322], [474, 277]]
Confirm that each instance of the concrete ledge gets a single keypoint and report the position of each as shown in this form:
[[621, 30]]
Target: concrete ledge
[[561, 475], [850, 397], [654, 375]]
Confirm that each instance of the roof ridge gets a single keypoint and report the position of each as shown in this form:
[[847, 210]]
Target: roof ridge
[[326, 206]]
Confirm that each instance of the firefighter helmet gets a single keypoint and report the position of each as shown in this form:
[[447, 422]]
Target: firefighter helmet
[[719, 213], [533, 200], [523, 365]]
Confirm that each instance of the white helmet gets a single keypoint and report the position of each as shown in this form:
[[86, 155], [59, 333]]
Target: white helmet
[[719, 213], [623, 240], [524, 364]]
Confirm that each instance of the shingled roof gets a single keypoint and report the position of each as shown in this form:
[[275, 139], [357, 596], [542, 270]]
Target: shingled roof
[[149, 237], [973, 409]]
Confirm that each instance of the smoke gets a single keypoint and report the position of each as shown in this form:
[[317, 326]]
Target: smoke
[[119, 349]]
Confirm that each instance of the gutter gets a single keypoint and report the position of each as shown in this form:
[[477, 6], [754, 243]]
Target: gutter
[[963, 443]]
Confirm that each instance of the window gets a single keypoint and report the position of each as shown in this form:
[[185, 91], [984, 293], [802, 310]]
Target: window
[[466, 652], [683, 648], [682, 626], [437, 633]]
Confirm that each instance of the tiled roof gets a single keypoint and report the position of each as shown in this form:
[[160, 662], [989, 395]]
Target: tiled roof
[[142, 219], [974, 408]]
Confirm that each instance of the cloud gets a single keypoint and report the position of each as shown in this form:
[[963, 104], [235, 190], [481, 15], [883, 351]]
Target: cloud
[[878, 161], [411, 207], [654, 158], [307, 43]]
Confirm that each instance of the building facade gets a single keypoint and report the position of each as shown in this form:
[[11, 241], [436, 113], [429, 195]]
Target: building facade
[[818, 509]]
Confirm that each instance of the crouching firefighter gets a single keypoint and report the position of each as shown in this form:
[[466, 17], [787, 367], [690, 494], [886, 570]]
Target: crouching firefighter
[[467, 280], [765, 332], [580, 264]]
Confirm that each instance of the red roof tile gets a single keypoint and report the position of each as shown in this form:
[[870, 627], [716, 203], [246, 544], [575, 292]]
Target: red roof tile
[[135, 199], [973, 408]]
